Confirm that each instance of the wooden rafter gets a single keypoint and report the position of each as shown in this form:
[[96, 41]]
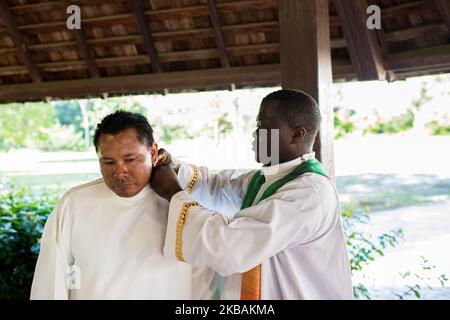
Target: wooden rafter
[[143, 83], [444, 9], [364, 50], [217, 26], [145, 31], [84, 47], [19, 42], [220, 40]]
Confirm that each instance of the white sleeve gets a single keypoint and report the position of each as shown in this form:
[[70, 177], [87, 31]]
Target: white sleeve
[[52, 268], [292, 216], [223, 191]]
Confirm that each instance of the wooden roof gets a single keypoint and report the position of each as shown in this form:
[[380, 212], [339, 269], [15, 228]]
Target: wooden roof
[[144, 46]]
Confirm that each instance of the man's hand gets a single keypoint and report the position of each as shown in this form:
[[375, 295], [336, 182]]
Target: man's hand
[[164, 158], [164, 181]]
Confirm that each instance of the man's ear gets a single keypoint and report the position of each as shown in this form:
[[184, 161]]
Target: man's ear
[[298, 134], [154, 154]]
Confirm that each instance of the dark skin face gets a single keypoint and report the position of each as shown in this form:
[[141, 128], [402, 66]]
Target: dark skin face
[[293, 142]]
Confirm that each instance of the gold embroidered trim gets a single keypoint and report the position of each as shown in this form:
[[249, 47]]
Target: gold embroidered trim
[[195, 176], [180, 225]]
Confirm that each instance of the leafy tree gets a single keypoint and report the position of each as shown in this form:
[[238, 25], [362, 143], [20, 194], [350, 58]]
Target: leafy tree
[[396, 124], [23, 124], [344, 122], [69, 113], [168, 133]]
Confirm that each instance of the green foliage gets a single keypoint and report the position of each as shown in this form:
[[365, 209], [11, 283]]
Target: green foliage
[[424, 97], [24, 125], [224, 125], [168, 133], [344, 121], [22, 219], [362, 248], [69, 114], [62, 138], [415, 289], [396, 124], [438, 128]]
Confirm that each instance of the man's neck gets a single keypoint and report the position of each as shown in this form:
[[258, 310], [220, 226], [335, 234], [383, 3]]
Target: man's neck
[[290, 157]]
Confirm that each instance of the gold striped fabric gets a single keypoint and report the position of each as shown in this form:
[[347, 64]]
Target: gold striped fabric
[[251, 284], [194, 179], [180, 225]]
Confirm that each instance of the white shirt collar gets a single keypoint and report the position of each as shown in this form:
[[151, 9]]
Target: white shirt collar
[[280, 170]]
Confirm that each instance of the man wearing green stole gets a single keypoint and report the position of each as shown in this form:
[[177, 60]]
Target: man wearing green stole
[[285, 240]]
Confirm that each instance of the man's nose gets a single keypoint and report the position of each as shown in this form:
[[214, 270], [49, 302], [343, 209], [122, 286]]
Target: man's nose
[[120, 169]]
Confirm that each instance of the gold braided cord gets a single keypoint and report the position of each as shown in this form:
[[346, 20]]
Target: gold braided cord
[[180, 225]]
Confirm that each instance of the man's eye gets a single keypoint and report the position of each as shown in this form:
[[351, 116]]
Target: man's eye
[[108, 163], [129, 160]]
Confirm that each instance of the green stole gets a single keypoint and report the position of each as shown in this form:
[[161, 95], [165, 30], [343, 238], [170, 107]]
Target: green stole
[[258, 180]]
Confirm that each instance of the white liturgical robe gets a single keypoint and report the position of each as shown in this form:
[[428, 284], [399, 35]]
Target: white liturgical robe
[[296, 234], [97, 245]]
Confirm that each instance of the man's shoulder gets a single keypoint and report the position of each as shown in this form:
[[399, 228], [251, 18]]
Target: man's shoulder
[[319, 182], [88, 188]]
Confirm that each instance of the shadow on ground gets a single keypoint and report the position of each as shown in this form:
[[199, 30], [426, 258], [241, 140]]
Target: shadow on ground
[[388, 191]]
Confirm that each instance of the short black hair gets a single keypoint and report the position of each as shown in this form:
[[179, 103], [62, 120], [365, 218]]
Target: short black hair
[[121, 120], [297, 109]]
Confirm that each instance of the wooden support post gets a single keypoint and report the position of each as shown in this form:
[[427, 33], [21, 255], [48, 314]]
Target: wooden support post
[[305, 54]]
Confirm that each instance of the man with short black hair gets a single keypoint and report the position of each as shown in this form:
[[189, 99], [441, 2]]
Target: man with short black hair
[[285, 240], [104, 239]]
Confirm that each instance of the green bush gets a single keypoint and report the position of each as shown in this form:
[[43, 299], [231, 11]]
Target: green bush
[[362, 248], [22, 219], [438, 129], [344, 121], [396, 124]]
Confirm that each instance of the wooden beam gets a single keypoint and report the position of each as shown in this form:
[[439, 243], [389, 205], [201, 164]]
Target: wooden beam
[[19, 42], [341, 69], [362, 44], [83, 46], [305, 56], [413, 32], [145, 31], [444, 9], [265, 74], [434, 58]]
